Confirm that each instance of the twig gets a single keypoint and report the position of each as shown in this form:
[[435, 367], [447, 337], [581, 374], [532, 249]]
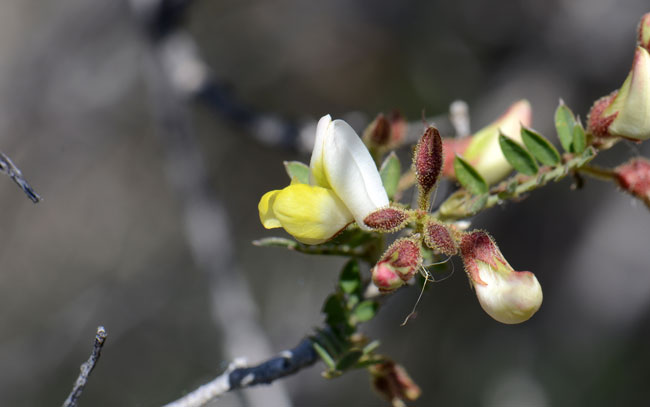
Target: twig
[[8, 167], [86, 368], [237, 376]]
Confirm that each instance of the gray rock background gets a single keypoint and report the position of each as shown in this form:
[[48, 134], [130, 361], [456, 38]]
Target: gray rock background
[[107, 246]]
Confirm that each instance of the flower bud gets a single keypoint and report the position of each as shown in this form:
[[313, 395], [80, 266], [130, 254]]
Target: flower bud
[[387, 220], [507, 295], [438, 237], [393, 382], [625, 112], [634, 178], [644, 31], [401, 260], [483, 151], [427, 163], [386, 278], [377, 134]]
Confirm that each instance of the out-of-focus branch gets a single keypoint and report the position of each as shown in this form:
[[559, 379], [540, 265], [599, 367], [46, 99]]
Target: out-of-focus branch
[[171, 72], [8, 167], [238, 376], [86, 368]]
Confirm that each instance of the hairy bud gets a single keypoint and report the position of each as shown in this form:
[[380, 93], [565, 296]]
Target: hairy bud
[[377, 134], [438, 237], [634, 178], [428, 164], [400, 260], [625, 112], [507, 295], [387, 220], [393, 382]]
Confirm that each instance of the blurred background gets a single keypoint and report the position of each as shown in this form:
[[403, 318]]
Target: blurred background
[[115, 241]]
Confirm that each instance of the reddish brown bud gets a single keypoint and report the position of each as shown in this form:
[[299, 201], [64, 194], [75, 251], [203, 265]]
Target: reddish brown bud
[[428, 164], [437, 236], [597, 123], [401, 260], [387, 219], [377, 134], [634, 178], [393, 383], [405, 256]]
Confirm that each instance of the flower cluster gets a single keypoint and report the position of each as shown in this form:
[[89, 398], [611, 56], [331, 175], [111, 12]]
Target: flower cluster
[[345, 187]]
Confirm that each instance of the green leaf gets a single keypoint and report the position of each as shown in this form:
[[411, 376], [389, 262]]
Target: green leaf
[[517, 156], [350, 280], [564, 124], [390, 172], [334, 309], [365, 311], [297, 170], [539, 147], [329, 361], [349, 359], [579, 139], [469, 177]]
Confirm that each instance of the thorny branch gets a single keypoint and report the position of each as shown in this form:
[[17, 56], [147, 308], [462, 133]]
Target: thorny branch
[[86, 368], [238, 376], [8, 167]]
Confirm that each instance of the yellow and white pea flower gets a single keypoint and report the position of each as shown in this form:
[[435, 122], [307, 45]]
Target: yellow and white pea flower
[[344, 186]]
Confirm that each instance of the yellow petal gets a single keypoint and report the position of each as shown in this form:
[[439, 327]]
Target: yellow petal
[[311, 214], [265, 207]]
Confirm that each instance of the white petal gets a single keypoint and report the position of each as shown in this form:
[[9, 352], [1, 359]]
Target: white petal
[[317, 176], [351, 171], [633, 120], [510, 299]]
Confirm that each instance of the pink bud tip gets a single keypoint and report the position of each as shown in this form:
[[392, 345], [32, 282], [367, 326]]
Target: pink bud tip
[[387, 219], [385, 277]]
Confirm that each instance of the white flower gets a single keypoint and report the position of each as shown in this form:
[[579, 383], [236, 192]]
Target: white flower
[[507, 295], [344, 186]]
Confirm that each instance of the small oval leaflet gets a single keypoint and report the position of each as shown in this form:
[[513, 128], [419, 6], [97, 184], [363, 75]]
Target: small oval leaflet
[[517, 156], [468, 177]]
